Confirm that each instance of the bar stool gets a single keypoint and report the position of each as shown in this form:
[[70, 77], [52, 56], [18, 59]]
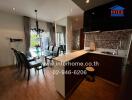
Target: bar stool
[[90, 76]]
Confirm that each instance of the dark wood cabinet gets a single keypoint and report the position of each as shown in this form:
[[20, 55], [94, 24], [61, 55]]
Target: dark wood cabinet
[[81, 39], [109, 68], [75, 76], [100, 18]]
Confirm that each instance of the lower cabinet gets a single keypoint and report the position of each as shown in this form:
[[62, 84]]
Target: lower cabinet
[[74, 75], [107, 67], [110, 67]]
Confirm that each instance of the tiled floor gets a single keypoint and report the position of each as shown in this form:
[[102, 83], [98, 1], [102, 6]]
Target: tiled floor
[[40, 87]]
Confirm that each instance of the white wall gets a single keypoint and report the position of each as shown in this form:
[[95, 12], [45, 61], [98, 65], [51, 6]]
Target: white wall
[[11, 26]]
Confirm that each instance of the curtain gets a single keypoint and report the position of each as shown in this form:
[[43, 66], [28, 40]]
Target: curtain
[[52, 33], [64, 33], [26, 23]]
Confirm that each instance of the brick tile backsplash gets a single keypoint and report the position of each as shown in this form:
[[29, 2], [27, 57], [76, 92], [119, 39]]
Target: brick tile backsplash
[[109, 39]]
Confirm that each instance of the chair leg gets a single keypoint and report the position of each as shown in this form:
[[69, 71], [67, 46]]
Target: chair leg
[[20, 68], [28, 74], [43, 70], [17, 67], [24, 72], [50, 61], [35, 70], [45, 60]]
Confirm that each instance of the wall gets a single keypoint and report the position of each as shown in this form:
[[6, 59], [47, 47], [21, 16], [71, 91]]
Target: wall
[[76, 40], [77, 22], [69, 35], [129, 60], [11, 26], [109, 39]]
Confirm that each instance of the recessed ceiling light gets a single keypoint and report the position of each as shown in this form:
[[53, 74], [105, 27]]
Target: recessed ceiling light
[[13, 9], [87, 1]]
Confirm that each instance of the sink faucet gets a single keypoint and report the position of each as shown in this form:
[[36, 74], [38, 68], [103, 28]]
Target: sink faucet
[[117, 48], [115, 51]]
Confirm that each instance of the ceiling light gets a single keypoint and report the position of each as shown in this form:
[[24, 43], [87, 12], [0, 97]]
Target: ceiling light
[[37, 29], [13, 9], [87, 1]]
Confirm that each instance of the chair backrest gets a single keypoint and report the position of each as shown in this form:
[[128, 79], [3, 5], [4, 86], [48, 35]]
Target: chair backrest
[[16, 55], [28, 54], [24, 59], [61, 47], [47, 47], [64, 47], [56, 51], [51, 48]]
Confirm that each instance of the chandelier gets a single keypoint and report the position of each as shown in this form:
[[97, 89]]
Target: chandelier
[[37, 29]]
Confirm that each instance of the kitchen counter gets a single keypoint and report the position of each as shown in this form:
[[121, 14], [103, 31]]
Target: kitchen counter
[[62, 81], [70, 56], [121, 53], [73, 55]]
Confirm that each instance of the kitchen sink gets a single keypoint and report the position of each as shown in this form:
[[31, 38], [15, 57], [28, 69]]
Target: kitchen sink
[[107, 52]]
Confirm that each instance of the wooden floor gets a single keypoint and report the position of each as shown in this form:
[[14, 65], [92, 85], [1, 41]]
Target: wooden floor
[[40, 87], [98, 90]]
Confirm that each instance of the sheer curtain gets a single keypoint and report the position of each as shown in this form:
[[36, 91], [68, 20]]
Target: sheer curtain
[[27, 27], [52, 33], [60, 35]]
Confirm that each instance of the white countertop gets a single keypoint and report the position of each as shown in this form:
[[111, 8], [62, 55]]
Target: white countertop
[[121, 53], [70, 56], [73, 55]]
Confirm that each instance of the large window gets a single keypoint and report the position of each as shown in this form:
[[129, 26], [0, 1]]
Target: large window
[[38, 43], [45, 40], [59, 38], [34, 40]]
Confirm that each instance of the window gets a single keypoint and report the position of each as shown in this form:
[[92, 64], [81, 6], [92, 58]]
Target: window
[[38, 43], [59, 38]]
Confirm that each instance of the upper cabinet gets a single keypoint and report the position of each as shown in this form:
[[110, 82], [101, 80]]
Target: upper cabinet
[[113, 16]]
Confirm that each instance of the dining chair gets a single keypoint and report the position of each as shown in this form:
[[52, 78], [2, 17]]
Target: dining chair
[[18, 60], [54, 54], [63, 48], [30, 64], [51, 48], [19, 63]]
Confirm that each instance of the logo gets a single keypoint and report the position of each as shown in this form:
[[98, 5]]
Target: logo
[[117, 11]]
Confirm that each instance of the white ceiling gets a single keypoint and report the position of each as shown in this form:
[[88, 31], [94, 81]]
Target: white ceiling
[[48, 10]]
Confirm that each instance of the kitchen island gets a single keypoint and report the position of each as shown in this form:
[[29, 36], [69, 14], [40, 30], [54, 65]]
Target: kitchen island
[[69, 70]]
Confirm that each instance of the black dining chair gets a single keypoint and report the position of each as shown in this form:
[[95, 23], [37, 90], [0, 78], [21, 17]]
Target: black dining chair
[[30, 64], [63, 48], [19, 63], [51, 48], [54, 54], [47, 47], [18, 60]]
